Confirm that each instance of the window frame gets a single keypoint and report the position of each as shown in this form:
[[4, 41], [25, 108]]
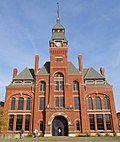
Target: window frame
[[75, 86], [20, 103], [76, 103], [90, 103], [11, 123], [13, 102], [98, 103], [42, 86], [28, 103], [100, 122], [19, 121], [42, 103], [92, 122]]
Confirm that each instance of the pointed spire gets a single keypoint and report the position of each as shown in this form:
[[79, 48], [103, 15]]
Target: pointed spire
[[58, 18]]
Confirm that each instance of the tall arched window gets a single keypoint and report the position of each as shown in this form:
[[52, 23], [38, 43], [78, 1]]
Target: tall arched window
[[98, 103], [28, 102], [75, 86], [42, 86], [59, 82], [90, 105], [20, 103], [106, 103], [13, 103]]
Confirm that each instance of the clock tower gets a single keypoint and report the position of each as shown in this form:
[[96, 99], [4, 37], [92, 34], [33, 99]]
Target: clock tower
[[58, 46], [58, 59]]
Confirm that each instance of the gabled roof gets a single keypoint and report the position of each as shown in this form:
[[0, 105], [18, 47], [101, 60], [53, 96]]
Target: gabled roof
[[45, 69], [92, 74], [72, 69], [25, 75]]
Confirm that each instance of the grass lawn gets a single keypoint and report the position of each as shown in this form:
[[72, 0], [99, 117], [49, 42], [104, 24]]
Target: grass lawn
[[65, 139]]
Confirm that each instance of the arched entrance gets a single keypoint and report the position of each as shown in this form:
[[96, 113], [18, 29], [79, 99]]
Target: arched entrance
[[59, 126]]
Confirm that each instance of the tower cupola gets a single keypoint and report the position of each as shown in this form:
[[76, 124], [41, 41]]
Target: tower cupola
[[58, 33]]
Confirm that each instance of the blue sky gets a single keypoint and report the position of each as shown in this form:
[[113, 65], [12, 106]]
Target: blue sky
[[92, 28]]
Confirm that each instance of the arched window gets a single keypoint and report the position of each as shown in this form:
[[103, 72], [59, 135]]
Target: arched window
[[90, 105], [106, 103], [42, 86], [98, 103], [75, 86], [28, 102], [20, 103], [59, 82], [13, 103], [78, 125]]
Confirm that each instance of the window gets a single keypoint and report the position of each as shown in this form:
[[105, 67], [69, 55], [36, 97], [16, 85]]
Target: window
[[42, 103], [41, 126], [59, 101], [58, 59], [108, 121], [100, 123], [77, 103], [78, 125], [106, 103], [28, 103], [92, 123], [42, 86], [19, 122], [75, 86], [98, 103], [13, 103], [90, 105], [11, 121], [89, 82], [99, 82], [27, 122], [20, 103], [59, 82]]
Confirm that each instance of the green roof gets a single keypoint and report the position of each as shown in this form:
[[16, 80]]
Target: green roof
[[45, 69], [26, 74], [91, 73], [58, 25], [72, 69]]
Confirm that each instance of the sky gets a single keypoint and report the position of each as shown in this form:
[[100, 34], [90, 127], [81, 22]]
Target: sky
[[92, 29]]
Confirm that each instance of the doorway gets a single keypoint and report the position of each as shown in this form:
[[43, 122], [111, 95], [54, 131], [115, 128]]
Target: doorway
[[59, 126]]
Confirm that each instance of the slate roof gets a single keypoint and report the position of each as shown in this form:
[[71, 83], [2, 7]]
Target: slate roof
[[26, 74], [72, 69], [58, 35], [58, 25], [45, 69], [91, 73]]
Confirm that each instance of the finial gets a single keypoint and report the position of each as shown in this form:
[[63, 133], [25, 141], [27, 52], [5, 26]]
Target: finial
[[58, 11]]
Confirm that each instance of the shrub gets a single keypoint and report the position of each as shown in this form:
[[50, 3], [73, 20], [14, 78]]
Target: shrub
[[81, 135], [107, 134], [87, 134], [29, 134], [114, 134], [98, 134]]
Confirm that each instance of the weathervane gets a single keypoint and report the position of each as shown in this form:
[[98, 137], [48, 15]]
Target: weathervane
[[57, 10]]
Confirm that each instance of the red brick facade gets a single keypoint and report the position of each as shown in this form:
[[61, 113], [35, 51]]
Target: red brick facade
[[59, 99]]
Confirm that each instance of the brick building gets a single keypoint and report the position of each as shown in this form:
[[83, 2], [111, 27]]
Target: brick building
[[60, 99]]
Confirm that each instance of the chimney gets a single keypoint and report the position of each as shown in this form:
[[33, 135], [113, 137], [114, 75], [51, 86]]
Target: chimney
[[80, 62], [102, 71], [15, 71], [36, 63]]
